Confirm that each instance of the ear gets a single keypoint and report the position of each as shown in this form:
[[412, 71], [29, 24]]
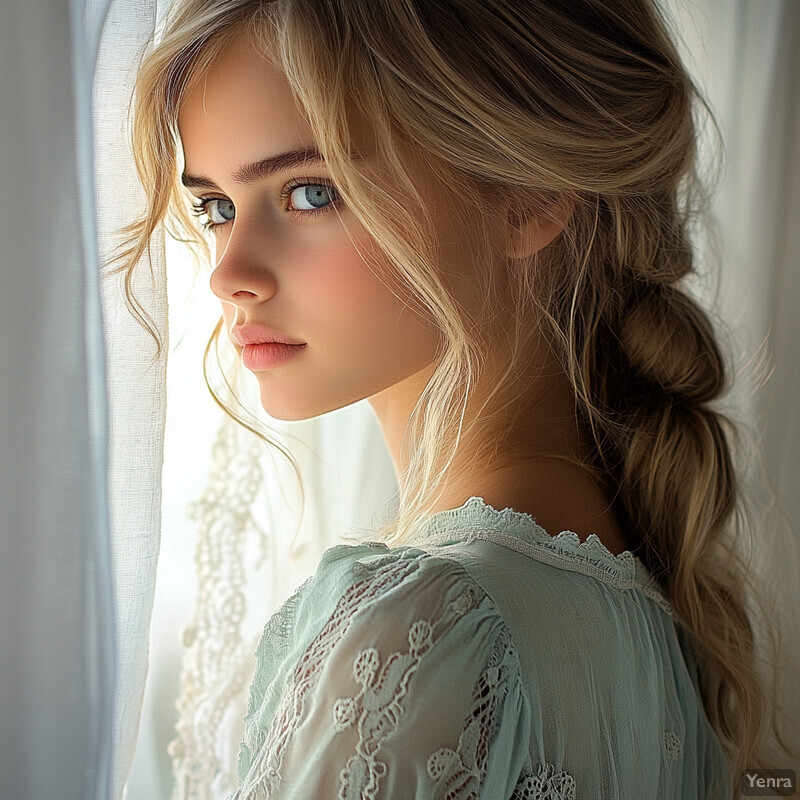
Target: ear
[[532, 231]]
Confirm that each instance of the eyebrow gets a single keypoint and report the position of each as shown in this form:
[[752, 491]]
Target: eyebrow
[[251, 173]]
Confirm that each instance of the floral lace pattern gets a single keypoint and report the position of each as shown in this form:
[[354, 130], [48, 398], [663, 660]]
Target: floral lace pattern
[[672, 744], [375, 709], [378, 707], [460, 773], [546, 784]]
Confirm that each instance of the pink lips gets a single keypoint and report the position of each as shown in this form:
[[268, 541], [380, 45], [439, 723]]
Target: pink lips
[[269, 354], [264, 347]]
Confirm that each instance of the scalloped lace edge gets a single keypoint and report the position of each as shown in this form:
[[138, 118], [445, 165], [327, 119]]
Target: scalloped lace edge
[[477, 520]]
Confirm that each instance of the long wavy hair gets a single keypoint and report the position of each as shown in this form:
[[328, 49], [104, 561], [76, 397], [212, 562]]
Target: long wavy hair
[[538, 101]]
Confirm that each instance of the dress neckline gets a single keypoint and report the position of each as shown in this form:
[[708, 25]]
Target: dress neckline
[[476, 519]]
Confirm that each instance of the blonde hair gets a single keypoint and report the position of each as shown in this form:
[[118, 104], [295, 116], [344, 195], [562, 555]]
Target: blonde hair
[[585, 102]]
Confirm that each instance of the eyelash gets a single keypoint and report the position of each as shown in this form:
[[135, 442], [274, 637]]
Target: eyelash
[[199, 208]]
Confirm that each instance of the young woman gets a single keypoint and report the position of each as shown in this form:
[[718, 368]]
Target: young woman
[[476, 215]]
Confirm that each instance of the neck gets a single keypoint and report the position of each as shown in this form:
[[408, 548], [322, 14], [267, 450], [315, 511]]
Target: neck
[[532, 465], [533, 433]]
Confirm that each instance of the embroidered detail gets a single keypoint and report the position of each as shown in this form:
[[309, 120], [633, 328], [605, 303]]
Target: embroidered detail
[[462, 772], [378, 705], [463, 603], [276, 639], [672, 744], [376, 709], [545, 785]]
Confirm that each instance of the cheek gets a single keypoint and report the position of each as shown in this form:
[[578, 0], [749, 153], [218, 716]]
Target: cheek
[[352, 309], [342, 286]]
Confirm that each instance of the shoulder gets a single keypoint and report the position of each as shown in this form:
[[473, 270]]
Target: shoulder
[[360, 592], [369, 576], [405, 601], [374, 592], [397, 645]]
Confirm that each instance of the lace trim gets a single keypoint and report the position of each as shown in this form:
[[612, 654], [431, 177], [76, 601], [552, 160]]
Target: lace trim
[[546, 784], [461, 772], [263, 773], [516, 530], [275, 637], [378, 706]]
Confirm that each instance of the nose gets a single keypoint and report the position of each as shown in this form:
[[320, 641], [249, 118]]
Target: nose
[[241, 274]]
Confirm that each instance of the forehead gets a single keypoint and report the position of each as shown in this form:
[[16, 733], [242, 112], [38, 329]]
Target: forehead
[[243, 101], [242, 110]]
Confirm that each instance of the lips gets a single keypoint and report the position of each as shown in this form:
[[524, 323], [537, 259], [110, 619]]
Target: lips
[[269, 355], [260, 334]]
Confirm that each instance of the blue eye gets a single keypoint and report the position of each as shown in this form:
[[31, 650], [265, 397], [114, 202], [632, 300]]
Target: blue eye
[[305, 199], [310, 196], [207, 206]]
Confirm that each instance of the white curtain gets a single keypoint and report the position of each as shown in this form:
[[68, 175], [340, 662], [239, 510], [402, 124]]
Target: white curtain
[[87, 687], [135, 378], [57, 633]]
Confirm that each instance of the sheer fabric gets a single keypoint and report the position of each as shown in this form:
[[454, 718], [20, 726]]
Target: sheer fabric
[[81, 431], [488, 660], [56, 626]]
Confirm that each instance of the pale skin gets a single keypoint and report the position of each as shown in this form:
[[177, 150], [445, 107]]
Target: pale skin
[[300, 268]]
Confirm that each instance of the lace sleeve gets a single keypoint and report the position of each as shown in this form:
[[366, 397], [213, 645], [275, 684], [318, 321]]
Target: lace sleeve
[[410, 689]]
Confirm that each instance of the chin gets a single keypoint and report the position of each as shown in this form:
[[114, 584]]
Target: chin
[[291, 411], [301, 409]]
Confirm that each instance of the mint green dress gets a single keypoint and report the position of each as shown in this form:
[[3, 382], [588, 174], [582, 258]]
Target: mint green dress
[[485, 659]]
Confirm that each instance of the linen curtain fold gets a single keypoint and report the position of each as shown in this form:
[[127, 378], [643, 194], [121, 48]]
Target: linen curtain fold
[[135, 377], [57, 631]]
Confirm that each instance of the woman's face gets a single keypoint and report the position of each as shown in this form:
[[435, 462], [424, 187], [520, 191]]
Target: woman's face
[[288, 253]]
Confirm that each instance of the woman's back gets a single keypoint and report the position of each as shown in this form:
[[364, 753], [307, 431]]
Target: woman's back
[[485, 660]]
